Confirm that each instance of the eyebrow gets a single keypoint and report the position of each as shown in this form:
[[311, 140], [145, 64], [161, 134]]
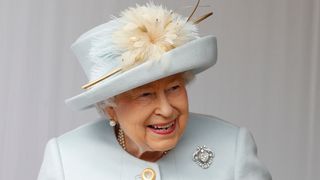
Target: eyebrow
[[145, 86], [175, 80]]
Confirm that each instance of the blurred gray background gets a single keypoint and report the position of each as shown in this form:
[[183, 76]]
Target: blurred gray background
[[267, 77]]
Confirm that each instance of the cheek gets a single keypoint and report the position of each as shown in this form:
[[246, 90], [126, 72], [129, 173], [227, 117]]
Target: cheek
[[132, 117], [181, 101], [132, 120], [183, 108], [186, 100], [125, 107], [132, 110]]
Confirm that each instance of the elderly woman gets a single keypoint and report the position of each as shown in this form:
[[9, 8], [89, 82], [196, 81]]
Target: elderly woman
[[138, 66]]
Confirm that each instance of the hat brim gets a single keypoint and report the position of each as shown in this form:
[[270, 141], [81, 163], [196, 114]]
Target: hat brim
[[195, 56]]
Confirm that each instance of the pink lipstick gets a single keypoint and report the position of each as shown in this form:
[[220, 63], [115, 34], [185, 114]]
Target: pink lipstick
[[164, 128]]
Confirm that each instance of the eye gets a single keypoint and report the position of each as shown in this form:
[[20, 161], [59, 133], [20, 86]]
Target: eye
[[174, 88], [145, 94]]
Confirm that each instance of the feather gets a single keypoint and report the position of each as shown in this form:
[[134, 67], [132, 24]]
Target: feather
[[150, 31], [141, 33]]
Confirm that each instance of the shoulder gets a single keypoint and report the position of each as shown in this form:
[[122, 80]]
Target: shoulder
[[211, 126], [210, 120], [95, 136], [94, 131], [210, 129], [84, 149]]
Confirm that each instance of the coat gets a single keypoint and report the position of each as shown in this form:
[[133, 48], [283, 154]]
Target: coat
[[91, 152]]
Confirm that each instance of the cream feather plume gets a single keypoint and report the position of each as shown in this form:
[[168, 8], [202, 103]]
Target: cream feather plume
[[149, 31], [144, 33]]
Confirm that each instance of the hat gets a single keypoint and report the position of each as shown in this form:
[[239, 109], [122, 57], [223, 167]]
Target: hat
[[144, 44]]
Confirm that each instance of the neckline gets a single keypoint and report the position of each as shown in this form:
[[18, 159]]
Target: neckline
[[125, 154]]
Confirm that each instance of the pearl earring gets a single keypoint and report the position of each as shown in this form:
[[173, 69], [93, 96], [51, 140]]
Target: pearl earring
[[112, 123]]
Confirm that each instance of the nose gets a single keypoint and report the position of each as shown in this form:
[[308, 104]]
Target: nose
[[164, 109]]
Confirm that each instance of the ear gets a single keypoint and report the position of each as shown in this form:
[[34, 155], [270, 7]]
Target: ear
[[111, 112]]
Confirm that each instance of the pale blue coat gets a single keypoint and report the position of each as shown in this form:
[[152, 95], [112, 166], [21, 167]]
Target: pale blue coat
[[91, 152]]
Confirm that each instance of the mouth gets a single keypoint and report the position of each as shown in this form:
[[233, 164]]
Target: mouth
[[163, 129]]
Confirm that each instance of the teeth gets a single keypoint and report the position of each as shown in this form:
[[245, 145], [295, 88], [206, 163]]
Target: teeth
[[163, 127]]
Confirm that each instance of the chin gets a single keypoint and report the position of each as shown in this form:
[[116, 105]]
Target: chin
[[164, 145]]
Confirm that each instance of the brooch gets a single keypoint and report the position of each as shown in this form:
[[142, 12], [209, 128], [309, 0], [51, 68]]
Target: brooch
[[203, 156]]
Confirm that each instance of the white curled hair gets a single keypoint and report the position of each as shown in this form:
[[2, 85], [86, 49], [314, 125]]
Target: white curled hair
[[102, 105]]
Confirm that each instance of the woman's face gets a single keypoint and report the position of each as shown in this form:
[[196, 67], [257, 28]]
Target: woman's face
[[153, 116]]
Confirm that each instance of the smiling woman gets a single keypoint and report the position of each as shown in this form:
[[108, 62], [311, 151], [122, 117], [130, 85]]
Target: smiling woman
[[138, 66], [153, 117]]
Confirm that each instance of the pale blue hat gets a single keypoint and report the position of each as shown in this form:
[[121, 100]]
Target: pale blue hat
[[144, 44]]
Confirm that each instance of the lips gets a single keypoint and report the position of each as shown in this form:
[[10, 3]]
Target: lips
[[165, 126], [163, 129]]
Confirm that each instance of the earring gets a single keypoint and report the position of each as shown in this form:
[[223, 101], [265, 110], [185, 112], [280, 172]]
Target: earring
[[112, 123]]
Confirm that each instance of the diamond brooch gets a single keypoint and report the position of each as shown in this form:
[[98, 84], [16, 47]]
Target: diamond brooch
[[203, 156]]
